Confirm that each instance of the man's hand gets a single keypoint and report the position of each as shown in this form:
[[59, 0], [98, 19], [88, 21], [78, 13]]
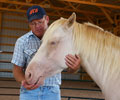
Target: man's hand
[[73, 62], [29, 86]]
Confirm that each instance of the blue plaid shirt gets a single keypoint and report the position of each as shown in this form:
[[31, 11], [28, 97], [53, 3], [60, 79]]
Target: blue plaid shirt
[[25, 48]]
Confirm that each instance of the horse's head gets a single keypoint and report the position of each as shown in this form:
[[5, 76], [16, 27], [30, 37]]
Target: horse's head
[[50, 57]]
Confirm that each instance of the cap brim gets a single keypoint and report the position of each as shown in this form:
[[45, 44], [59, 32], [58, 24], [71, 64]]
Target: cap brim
[[35, 17]]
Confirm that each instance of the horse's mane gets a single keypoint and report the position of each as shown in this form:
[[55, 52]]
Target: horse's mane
[[98, 45], [91, 32], [94, 26]]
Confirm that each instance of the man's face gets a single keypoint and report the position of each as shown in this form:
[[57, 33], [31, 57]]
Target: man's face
[[39, 26]]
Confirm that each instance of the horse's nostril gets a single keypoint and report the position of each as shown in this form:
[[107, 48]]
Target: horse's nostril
[[29, 76]]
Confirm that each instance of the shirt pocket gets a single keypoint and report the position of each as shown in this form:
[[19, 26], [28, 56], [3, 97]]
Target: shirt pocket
[[29, 53]]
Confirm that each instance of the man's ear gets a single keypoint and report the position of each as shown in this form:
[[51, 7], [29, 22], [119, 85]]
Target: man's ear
[[70, 21], [47, 18]]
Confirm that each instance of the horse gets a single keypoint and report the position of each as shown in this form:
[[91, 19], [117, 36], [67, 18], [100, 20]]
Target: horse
[[98, 49]]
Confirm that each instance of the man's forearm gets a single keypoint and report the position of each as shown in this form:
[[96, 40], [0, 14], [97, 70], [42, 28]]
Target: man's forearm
[[18, 74]]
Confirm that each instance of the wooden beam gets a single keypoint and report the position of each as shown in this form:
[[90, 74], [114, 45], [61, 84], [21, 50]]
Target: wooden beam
[[89, 19], [93, 3], [1, 61], [69, 73], [6, 70], [77, 10], [6, 44], [116, 30], [93, 0], [22, 15], [107, 16], [9, 36], [18, 3], [15, 20], [15, 28], [70, 4], [28, 1], [6, 52], [7, 79], [44, 6], [65, 16], [12, 10], [24, 11]]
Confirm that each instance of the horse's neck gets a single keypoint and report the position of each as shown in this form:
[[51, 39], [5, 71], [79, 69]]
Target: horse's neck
[[99, 52], [87, 48], [100, 57]]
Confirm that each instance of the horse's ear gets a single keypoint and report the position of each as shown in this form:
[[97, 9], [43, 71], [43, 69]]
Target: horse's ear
[[71, 20], [61, 18]]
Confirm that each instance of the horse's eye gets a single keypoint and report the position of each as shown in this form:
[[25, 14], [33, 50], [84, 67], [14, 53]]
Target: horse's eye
[[53, 43]]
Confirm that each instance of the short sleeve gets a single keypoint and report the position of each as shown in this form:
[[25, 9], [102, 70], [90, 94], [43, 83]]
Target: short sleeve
[[18, 55]]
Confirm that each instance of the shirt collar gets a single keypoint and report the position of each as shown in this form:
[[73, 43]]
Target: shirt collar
[[32, 34]]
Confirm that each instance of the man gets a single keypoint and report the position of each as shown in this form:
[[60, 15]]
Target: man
[[25, 48]]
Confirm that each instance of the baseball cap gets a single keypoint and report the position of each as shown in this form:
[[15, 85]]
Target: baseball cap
[[35, 12]]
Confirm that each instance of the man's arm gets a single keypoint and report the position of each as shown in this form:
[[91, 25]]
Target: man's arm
[[73, 63], [18, 73], [20, 77]]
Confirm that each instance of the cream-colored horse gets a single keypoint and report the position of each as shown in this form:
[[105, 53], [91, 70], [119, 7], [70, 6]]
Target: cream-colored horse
[[99, 51]]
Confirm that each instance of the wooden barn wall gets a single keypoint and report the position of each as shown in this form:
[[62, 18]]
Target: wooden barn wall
[[12, 26]]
